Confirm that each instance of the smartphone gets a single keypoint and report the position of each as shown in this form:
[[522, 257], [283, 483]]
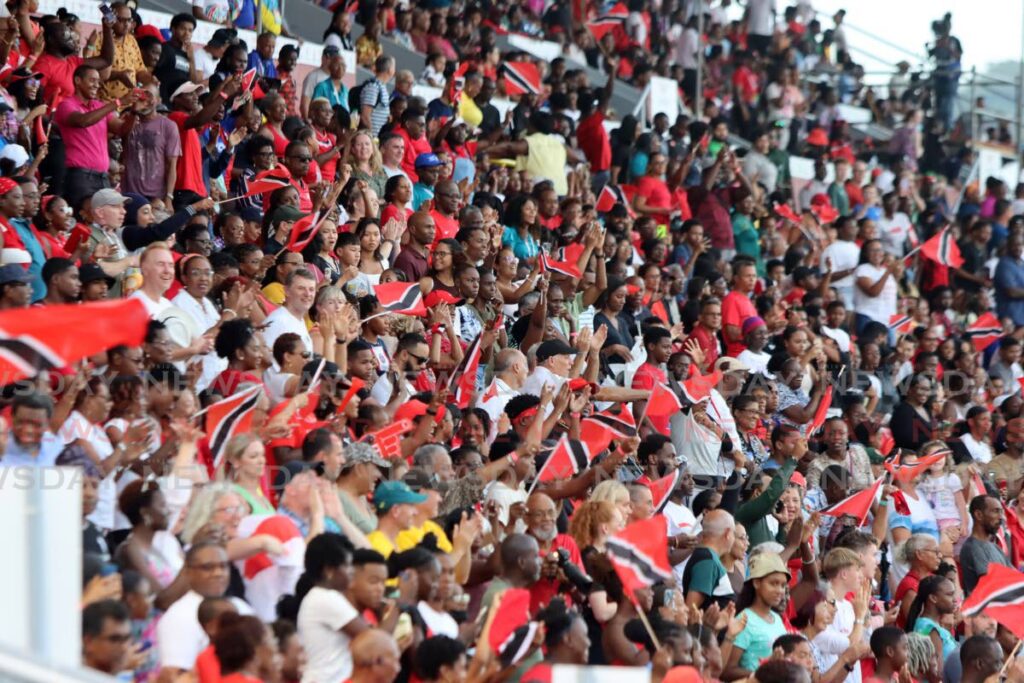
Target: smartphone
[[107, 13], [108, 569], [669, 597], [403, 628]]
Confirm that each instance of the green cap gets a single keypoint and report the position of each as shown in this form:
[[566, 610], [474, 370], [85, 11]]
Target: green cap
[[285, 212], [392, 493]]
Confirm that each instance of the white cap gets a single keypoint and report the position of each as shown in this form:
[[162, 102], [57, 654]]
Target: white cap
[[18, 256], [186, 88], [16, 154]]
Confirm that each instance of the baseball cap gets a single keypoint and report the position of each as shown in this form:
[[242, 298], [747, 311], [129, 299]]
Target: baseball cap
[[410, 410], [331, 51], [285, 212], [763, 564], [16, 154], [13, 255], [252, 213], [91, 272], [580, 383], [13, 272], [553, 347], [223, 36], [439, 296], [391, 493], [186, 88], [730, 364], [108, 197], [357, 453], [287, 472], [428, 160]]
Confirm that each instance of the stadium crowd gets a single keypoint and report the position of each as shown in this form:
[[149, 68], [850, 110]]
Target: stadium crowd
[[383, 388]]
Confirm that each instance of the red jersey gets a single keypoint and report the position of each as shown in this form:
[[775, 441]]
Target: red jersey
[[593, 140], [646, 377], [736, 308], [190, 165]]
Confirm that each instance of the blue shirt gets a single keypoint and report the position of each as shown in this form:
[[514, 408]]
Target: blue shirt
[[330, 526], [420, 193], [35, 250], [325, 88], [523, 249], [264, 67], [18, 456], [1009, 273]]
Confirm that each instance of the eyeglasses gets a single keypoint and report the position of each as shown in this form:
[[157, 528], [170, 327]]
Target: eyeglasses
[[206, 272]]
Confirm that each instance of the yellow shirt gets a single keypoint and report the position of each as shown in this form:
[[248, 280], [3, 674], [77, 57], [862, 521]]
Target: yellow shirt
[[411, 538], [127, 57], [546, 161], [469, 112], [381, 543], [274, 293]]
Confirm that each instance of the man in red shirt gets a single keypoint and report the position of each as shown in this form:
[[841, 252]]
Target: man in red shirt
[[186, 113], [60, 59], [447, 198], [591, 134], [737, 306], [541, 523], [413, 131], [658, 344], [706, 331]]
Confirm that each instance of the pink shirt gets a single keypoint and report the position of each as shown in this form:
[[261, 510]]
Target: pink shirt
[[84, 147]]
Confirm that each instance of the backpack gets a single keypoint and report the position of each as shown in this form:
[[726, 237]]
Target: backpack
[[355, 95]]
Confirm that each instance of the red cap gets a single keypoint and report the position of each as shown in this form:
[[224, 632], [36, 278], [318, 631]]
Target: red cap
[[413, 409], [818, 137], [149, 30], [820, 199], [439, 296], [579, 383], [798, 479]]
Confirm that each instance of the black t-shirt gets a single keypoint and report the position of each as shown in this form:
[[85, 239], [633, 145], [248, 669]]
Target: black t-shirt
[[172, 70]]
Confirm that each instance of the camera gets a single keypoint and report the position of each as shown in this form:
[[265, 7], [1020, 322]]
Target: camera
[[573, 573]]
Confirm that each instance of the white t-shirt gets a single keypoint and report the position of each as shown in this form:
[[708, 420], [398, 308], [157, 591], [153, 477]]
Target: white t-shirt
[[893, 232], [154, 308], [206, 65], [680, 519], [180, 636], [881, 307], [757, 361], [845, 256], [760, 16], [324, 612], [77, 427], [275, 380], [534, 384], [281, 321], [438, 623], [834, 640], [979, 450]]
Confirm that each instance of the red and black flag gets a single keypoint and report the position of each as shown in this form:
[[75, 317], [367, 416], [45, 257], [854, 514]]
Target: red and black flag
[[566, 268], [303, 231], [663, 402], [857, 505], [907, 471], [639, 554], [1000, 595], [610, 196], [400, 297], [822, 412], [609, 21], [567, 459], [231, 416], [261, 186], [984, 331], [661, 489], [943, 249], [900, 323], [698, 388], [462, 381], [521, 78], [35, 339], [600, 429]]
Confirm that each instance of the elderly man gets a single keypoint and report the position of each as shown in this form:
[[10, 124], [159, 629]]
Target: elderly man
[[300, 291], [157, 266], [298, 484], [108, 212], [510, 372], [434, 460], [556, 365], [375, 658], [704, 578], [541, 523]]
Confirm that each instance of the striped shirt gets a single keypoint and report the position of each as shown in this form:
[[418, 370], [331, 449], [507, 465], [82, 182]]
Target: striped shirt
[[375, 94]]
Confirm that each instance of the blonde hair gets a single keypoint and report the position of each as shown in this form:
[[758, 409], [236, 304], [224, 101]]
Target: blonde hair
[[200, 510], [584, 526], [933, 447], [837, 560], [234, 448], [375, 163], [153, 246], [611, 491]]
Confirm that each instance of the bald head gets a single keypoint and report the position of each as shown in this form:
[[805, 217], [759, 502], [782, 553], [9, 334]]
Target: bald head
[[513, 368], [421, 225], [717, 529], [520, 559], [375, 657]]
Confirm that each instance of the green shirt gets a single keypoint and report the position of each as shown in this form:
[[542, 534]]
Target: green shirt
[[748, 242], [840, 202], [757, 637], [705, 574], [753, 514]]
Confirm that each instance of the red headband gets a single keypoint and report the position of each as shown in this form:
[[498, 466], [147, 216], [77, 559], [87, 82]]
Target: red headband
[[45, 204], [528, 413], [6, 185]]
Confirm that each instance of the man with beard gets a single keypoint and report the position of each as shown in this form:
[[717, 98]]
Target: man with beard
[[656, 456], [541, 523], [979, 551], [60, 59], [412, 261], [408, 362]]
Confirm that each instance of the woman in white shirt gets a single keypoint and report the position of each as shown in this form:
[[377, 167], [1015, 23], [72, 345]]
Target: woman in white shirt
[[327, 622], [876, 291], [376, 247], [196, 274]]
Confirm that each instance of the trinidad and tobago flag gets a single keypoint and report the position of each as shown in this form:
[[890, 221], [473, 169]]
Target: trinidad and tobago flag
[[260, 186], [34, 339], [567, 459], [1000, 595], [900, 323], [612, 195], [521, 78], [942, 249], [907, 471], [233, 415], [639, 553], [984, 331], [600, 429], [463, 379], [698, 387], [565, 268], [661, 489], [303, 232], [400, 297], [611, 20], [822, 412], [857, 505]]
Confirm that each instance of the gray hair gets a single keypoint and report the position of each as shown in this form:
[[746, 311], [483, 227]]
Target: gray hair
[[424, 456], [716, 523], [766, 547], [912, 546], [200, 510], [506, 358]]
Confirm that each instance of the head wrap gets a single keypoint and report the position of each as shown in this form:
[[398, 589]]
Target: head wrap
[[6, 185]]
